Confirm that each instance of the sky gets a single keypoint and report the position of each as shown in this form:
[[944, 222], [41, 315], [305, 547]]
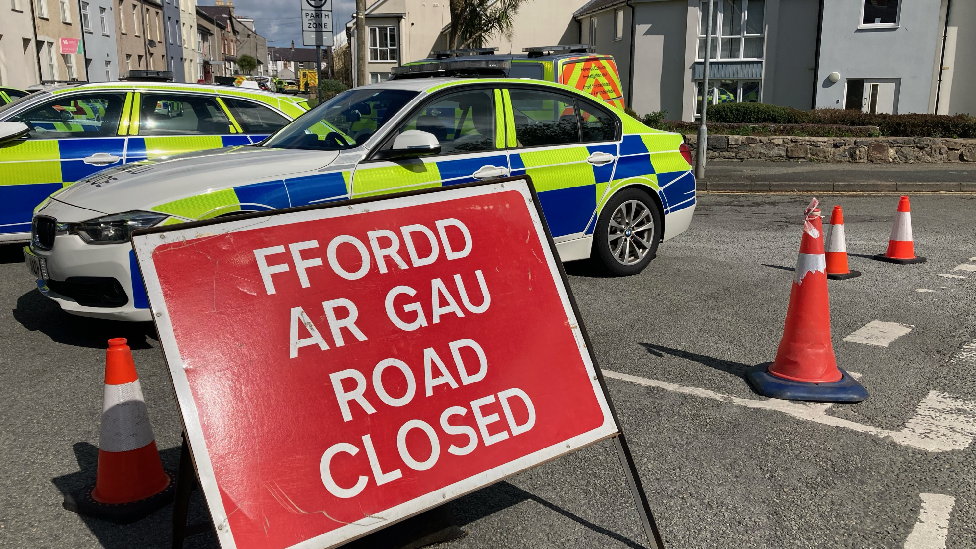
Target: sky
[[280, 20]]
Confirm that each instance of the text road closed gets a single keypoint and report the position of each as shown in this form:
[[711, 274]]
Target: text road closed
[[353, 365]]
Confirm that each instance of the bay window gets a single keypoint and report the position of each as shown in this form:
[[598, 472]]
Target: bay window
[[737, 29]]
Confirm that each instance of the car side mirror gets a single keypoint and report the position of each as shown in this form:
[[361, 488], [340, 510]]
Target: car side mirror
[[12, 130], [411, 143]]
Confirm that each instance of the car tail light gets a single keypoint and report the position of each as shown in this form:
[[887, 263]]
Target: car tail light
[[685, 152]]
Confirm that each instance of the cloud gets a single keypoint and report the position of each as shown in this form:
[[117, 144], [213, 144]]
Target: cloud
[[280, 21]]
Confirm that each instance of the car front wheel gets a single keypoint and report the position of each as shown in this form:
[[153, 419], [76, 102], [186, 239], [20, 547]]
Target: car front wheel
[[627, 233]]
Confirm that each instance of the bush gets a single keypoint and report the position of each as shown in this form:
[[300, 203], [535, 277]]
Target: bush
[[890, 125], [330, 88], [756, 113]]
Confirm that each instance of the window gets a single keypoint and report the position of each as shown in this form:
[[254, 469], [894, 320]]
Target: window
[[15, 5], [880, 13], [165, 115], [183, 33], [139, 62], [158, 28], [199, 42], [377, 77], [596, 124], [108, 71], [592, 31], [65, 11], [135, 19], [121, 18], [253, 117], [85, 17], [128, 61], [145, 24], [382, 44], [854, 100], [50, 66], [728, 91], [737, 29], [69, 64], [93, 115], [151, 64], [40, 6], [169, 29], [103, 20], [618, 25], [544, 118], [462, 122]]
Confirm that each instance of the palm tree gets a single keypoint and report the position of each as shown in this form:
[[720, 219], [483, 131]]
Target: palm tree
[[473, 22]]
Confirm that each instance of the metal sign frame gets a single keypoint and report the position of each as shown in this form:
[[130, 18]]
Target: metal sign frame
[[317, 13], [144, 242]]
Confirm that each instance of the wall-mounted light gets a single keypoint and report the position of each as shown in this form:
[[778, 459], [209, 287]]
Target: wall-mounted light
[[834, 77]]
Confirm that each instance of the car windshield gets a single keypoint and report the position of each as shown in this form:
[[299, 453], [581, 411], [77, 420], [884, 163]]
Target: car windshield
[[343, 122]]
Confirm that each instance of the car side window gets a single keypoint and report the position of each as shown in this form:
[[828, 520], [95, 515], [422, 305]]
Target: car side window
[[596, 123], [170, 115], [77, 115], [462, 122], [254, 117], [544, 118]]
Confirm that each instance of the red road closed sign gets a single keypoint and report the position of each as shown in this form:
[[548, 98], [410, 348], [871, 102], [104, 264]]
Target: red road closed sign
[[339, 369]]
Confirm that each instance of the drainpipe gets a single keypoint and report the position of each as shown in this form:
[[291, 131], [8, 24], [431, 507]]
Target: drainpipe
[[945, 36], [702, 129], [37, 57], [816, 59], [633, 41]]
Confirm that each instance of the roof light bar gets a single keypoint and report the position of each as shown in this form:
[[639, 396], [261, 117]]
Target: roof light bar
[[444, 54], [452, 66], [539, 51]]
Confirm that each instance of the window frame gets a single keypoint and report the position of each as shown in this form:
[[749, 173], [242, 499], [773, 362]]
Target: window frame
[[113, 127], [121, 11], [225, 99], [593, 30], [41, 7], [714, 82], [103, 20], [85, 11], [717, 36], [862, 25], [69, 67], [595, 105], [618, 25], [135, 19], [64, 6], [393, 51]]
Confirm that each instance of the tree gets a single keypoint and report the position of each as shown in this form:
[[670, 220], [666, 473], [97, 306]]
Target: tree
[[246, 63], [473, 22]]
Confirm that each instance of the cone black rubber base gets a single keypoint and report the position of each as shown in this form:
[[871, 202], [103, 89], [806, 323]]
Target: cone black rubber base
[[120, 513], [886, 259], [844, 276], [766, 384]]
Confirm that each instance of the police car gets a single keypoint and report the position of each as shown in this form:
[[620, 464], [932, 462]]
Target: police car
[[9, 95], [610, 187], [75, 131]]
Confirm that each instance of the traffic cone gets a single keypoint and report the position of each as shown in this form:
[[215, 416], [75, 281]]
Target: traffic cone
[[837, 268], [805, 367], [131, 482], [901, 248]]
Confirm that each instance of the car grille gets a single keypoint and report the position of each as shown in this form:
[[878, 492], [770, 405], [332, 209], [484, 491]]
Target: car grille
[[91, 291], [43, 230]]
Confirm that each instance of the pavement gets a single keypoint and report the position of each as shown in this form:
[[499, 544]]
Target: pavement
[[758, 176], [722, 466]]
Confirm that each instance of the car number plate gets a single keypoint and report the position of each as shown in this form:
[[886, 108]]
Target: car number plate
[[36, 265]]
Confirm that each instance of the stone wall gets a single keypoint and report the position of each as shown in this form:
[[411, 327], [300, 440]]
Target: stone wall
[[881, 150]]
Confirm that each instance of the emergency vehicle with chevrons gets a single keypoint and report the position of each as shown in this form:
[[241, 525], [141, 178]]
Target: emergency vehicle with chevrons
[[78, 130], [610, 187]]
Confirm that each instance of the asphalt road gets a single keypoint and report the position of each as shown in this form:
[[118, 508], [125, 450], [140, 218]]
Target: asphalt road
[[723, 467]]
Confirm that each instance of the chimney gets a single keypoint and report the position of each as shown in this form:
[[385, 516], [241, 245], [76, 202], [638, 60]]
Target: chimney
[[293, 46]]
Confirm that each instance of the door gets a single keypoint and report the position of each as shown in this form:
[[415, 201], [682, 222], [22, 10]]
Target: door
[[569, 173], [256, 120], [465, 123], [880, 97], [72, 136], [167, 124]]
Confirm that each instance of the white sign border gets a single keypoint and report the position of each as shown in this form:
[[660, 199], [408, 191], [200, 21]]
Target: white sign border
[[145, 245]]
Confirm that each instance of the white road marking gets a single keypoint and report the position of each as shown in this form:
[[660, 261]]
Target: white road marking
[[941, 423], [879, 333], [967, 353], [972, 258], [856, 375], [933, 522], [925, 291], [966, 267], [952, 276]]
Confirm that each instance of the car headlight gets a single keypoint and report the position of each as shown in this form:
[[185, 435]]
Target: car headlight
[[114, 229]]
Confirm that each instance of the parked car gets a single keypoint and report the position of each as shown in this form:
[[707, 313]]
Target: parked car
[[9, 95], [79, 130], [575, 65], [610, 187]]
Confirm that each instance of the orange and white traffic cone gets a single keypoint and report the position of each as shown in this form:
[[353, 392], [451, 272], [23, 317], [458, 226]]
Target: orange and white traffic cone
[[901, 247], [837, 268], [131, 482], [805, 367]]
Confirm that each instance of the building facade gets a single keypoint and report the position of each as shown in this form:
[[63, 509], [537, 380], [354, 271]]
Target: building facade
[[139, 36], [18, 46], [209, 33], [286, 62], [101, 51], [191, 44], [60, 54], [173, 43]]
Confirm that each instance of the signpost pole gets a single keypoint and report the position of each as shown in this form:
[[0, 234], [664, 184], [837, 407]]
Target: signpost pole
[[703, 129], [637, 489], [318, 69]]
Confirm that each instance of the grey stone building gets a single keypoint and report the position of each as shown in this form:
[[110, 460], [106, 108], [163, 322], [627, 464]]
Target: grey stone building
[[174, 40], [98, 37]]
